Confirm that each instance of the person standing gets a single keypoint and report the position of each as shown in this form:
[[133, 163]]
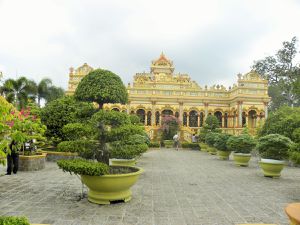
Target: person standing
[[12, 159], [176, 141], [194, 139]]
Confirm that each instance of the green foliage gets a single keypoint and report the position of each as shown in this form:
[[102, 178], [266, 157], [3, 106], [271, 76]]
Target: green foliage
[[274, 146], [194, 146], [296, 135], [120, 150], [101, 86], [210, 138], [56, 114], [283, 121], [111, 118], [13, 220], [282, 73], [83, 167], [211, 125], [295, 157], [134, 119], [168, 143], [84, 148], [154, 144], [123, 132], [241, 144], [169, 127], [75, 131], [220, 141]]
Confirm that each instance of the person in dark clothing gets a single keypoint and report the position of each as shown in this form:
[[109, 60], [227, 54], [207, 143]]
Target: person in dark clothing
[[12, 159]]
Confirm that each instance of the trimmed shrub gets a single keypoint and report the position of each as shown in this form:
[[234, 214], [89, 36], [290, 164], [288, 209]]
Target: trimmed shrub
[[220, 142], [121, 151], [83, 167], [210, 138], [295, 157], [194, 146], [274, 146], [13, 220], [241, 144], [154, 144], [84, 148], [111, 118], [75, 131]]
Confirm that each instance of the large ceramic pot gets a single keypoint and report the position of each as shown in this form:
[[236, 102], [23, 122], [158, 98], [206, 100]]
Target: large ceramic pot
[[122, 162], [212, 150], [241, 159], [224, 154], [113, 187], [271, 167], [203, 147]]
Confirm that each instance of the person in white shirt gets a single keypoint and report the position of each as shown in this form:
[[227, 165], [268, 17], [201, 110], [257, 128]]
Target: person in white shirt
[[176, 141]]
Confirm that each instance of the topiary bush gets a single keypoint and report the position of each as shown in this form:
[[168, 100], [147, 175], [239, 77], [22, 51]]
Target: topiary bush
[[274, 146], [84, 148], [210, 138], [13, 220], [121, 151], [154, 144], [76, 131], [220, 142], [194, 146], [83, 167], [241, 144]]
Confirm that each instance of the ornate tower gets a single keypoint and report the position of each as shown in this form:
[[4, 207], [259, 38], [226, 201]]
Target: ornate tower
[[75, 77]]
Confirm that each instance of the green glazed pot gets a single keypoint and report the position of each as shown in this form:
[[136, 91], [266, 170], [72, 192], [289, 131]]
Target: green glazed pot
[[241, 159], [112, 187], [122, 162], [203, 147], [212, 150], [224, 154], [271, 168]]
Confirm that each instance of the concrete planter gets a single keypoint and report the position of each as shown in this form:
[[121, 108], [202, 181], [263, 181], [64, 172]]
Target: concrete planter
[[241, 159], [32, 162], [53, 156], [271, 168], [122, 162], [212, 150], [224, 154], [113, 187]]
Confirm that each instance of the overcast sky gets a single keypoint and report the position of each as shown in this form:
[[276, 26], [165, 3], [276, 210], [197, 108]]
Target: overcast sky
[[210, 40]]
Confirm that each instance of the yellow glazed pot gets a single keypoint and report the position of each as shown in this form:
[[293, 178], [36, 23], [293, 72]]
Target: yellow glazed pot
[[271, 168], [112, 187], [203, 147], [212, 150], [122, 162], [224, 154], [241, 159]]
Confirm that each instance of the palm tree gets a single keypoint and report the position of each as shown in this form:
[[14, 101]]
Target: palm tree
[[54, 93], [43, 89], [19, 91]]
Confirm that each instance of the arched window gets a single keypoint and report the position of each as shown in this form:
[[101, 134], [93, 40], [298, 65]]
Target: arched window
[[167, 112], [157, 116], [218, 114], [193, 121], [141, 114], [252, 119], [116, 109], [184, 119], [177, 115], [243, 119], [201, 119], [149, 118], [226, 120]]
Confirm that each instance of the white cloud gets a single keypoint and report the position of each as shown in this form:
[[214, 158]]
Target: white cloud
[[210, 40]]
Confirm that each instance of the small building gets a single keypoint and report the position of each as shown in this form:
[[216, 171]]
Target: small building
[[162, 92]]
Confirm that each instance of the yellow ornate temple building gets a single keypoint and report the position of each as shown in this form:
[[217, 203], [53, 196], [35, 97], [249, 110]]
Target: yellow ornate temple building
[[162, 92]]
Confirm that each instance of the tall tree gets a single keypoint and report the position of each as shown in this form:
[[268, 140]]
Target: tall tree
[[54, 93], [282, 73], [19, 91], [43, 89]]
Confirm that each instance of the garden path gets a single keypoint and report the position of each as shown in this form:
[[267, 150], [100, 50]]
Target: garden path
[[178, 188]]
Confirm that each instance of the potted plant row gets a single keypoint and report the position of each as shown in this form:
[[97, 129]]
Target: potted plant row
[[210, 139], [220, 144]]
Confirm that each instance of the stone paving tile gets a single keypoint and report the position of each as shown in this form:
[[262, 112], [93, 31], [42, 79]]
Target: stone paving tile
[[178, 188]]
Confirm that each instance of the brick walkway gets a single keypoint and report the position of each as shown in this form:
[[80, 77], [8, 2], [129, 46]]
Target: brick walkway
[[178, 188]]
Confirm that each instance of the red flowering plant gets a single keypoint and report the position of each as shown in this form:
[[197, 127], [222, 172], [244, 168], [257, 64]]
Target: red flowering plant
[[19, 127], [169, 127]]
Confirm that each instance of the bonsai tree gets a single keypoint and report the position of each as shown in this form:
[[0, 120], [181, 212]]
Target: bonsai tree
[[211, 125], [210, 138], [294, 152], [220, 142], [101, 86], [241, 144], [274, 146]]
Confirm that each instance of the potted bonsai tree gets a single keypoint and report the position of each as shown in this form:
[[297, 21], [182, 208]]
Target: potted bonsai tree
[[106, 183], [210, 141], [273, 149], [220, 145], [242, 146], [211, 125]]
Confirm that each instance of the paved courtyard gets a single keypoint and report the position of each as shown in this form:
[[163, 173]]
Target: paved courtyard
[[178, 188]]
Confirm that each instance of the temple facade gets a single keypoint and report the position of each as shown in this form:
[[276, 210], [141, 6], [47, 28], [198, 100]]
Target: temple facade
[[162, 92]]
